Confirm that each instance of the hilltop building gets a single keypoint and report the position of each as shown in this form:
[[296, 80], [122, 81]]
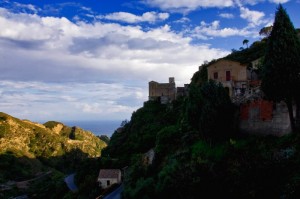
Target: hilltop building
[[166, 92], [257, 115], [235, 77]]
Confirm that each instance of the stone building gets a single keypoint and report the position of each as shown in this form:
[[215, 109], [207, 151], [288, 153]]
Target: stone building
[[165, 92], [257, 115], [182, 91], [234, 76]]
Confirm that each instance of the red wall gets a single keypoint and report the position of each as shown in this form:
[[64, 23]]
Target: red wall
[[265, 109]]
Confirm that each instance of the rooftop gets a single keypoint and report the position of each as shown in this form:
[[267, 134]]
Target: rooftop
[[109, 173]]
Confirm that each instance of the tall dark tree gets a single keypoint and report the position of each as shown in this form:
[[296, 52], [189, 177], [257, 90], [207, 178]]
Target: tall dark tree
[[210, 111], [281, 68]]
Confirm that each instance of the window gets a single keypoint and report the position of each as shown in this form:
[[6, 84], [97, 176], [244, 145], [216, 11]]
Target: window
[[108, 182], [215, 75], [228, 76]]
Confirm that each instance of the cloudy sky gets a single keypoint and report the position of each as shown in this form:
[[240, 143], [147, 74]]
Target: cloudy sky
[[93, 59]]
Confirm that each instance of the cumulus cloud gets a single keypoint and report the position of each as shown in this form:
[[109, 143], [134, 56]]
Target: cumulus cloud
[[42, 58], [185, 6], [211, 30], [254, 18], [150, 17], [54, 46], [43, 100], [188, 5]]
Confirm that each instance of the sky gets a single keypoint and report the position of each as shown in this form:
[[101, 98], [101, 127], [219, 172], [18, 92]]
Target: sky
[[93, 59]]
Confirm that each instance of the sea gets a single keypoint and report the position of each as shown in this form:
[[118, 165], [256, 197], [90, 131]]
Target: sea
[[96, 127]]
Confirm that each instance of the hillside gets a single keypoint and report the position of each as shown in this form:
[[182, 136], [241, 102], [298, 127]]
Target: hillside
[[29, 150], [199, 155], [198, 149], [33, 140]]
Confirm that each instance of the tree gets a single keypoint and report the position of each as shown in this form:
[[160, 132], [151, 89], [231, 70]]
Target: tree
[[201, 76], [123, 123], [281, 67], [266, 31], [209, 110], [245, 42]]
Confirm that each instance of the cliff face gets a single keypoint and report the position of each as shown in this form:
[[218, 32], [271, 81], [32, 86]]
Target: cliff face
[[26, 138]]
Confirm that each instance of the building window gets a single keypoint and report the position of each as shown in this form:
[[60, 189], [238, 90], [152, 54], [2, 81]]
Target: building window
[[108, 182], [215, 75], [228, 76]]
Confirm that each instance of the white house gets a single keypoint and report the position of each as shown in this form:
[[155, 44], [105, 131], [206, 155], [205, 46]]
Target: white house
[[108, 177]]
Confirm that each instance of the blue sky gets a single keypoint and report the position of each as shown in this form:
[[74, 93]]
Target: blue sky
[[93, 59]]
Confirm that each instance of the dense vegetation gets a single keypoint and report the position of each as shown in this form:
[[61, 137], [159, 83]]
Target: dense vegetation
[[198, 150], [199, 154]]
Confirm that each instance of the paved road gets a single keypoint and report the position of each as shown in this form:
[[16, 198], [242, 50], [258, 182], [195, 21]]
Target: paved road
[[116, 194], [70, 182]]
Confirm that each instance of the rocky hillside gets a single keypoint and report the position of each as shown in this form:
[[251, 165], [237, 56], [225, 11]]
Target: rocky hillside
[[34, 158], [26, 138]]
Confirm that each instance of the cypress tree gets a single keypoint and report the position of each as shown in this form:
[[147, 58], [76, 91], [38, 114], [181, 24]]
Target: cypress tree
[[281, 70]]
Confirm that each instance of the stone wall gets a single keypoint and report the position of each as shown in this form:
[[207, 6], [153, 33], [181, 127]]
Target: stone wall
[[265, 118]]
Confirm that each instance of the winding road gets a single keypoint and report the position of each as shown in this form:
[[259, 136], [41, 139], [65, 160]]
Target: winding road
[[70, 182]]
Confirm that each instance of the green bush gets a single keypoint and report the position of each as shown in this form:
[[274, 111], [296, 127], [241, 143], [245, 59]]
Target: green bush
[[167, 139], [205, 152]]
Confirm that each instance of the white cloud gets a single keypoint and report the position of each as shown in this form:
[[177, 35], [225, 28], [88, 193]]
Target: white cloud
[[226, 15], [250, 2], [150, 17], [109, 63], [212, 30], [279, 1], [185, 6], [188, 5], [44, 101], [254, 2], [25, 7], [183, 20], [254, 18]]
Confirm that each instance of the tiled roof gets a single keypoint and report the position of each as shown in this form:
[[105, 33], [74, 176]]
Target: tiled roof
[[109, 173]]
